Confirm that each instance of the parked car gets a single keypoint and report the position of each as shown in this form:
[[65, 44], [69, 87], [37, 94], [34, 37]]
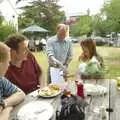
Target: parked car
[[100, 41], [73, 40], [110, 42]]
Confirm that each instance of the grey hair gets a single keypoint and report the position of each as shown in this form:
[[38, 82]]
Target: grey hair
[[61, 27]]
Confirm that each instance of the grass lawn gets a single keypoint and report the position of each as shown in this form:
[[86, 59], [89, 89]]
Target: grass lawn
[[111, 56]]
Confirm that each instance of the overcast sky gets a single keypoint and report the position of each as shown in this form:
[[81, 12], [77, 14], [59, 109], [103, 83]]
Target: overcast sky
[[73, 6], [70, 6]]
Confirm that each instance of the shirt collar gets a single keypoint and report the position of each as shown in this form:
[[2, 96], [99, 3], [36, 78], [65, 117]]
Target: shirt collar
[[57, 40]]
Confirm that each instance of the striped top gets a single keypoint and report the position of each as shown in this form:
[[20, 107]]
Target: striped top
[[6, 88]]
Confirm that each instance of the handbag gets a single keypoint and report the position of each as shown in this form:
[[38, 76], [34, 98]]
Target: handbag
[[72, 108]]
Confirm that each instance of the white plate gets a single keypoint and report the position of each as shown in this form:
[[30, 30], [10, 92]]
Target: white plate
[[92, 89], [36, 110], [49, 94]]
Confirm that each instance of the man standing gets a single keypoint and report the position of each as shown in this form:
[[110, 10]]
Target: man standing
[[24, 70], [59, 50]]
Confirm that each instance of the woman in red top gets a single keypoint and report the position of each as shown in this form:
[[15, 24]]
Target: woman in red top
[[23, 70]]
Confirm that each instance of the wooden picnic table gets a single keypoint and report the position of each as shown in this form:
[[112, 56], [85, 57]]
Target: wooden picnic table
[[114, 101], [96, 101]]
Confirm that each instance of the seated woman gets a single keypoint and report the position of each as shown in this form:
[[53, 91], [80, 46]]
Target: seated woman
[[91, 65]]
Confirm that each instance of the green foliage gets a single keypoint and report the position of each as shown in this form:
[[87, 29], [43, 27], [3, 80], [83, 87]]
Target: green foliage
[[83, 26], [111, 10], [46, 15], [6, 30], [23, 22], [107, 21], [101, 27], [1, 19]]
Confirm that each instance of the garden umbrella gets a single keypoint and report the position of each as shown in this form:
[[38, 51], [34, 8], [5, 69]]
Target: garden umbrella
[[34, 28]]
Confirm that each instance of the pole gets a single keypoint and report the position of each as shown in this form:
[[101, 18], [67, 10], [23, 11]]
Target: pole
[[109, 109]]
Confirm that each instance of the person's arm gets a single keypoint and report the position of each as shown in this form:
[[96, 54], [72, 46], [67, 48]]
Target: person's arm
[[83, 57], [78, 76], [55, 61], [50, 54], [12, 94], [42, 81], [5, 113], [15, 98]]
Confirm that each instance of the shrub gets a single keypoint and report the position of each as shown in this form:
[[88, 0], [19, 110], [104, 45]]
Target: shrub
[[6, 30]]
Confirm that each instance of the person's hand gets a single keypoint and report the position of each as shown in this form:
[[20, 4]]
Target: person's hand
[[65, 73], [6, 109], [9, 109], [42, 86], [1, 108], [64, 69], [78, 81], [83, 57], [61, 66]]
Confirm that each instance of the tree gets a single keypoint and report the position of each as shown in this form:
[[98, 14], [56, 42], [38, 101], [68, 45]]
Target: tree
[[1, 19], [101, 26], [83, 26], [46, 15], [111, 10], [5, 29]]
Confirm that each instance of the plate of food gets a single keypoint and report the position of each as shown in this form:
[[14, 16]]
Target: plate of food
[[49, 91]]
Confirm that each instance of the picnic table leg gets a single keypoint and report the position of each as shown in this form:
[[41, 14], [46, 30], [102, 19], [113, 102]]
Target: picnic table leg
[[112, 96]]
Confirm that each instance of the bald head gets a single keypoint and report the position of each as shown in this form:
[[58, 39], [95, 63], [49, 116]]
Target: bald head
[[61, 31], [4, 52]]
